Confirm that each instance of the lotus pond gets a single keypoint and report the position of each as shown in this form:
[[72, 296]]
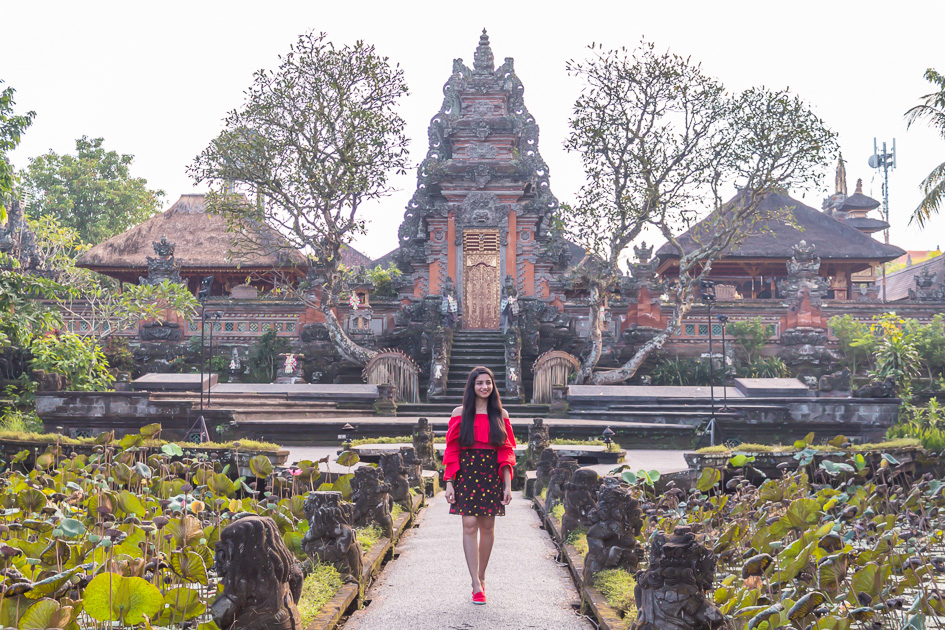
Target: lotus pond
[[125, 537], [845, 545]]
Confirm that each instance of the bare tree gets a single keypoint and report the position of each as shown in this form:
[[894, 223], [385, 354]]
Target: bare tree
[[315, 139], [661, 143]]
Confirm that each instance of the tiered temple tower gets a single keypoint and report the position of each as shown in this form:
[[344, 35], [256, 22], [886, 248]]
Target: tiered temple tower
[[483, 199]]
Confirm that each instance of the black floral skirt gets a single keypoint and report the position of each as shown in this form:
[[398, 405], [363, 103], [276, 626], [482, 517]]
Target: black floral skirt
[[478, 486]]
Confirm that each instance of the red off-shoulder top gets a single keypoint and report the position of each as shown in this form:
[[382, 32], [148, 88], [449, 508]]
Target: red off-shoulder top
[[506, 452]]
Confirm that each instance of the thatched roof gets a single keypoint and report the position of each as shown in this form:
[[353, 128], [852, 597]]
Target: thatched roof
[[832, 239], [200, 239]]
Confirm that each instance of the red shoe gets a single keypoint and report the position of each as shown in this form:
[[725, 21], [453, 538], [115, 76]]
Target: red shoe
[[479, 598]]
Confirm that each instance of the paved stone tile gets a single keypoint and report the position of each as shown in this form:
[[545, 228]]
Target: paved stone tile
[[428, 588]]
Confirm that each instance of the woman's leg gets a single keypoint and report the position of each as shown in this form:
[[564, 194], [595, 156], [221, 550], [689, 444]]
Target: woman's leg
[[486, 539], [471, 549]]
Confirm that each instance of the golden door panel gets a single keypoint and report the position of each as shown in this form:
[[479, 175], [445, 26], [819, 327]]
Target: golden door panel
[[481, 284]]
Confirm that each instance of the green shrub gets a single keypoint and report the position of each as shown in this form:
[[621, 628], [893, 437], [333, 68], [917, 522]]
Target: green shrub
[[616, 585], [319, 586], [578, 538], [18, 421], [263, 359], [368, 536], [557, 511]]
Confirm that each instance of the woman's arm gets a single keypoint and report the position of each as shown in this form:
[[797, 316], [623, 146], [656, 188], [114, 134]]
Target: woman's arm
[[506, 452], [451, 454]]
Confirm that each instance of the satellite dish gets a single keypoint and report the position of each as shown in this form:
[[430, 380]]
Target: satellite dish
[[874, 161]]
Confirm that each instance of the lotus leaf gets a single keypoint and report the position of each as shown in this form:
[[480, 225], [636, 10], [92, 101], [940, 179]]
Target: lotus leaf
[[806, 605], [151, 430], [173, 450], [183, 604], [142, 470], [185, 531], [20, 456], [708, 479], [740, 460], [113, 597], [130, 504], [46, 460], [629, 477], [189, 566], [764, 615], [260, 466], [31, 500], [51, 584], [348, 459], [46, 613], [343, 485]]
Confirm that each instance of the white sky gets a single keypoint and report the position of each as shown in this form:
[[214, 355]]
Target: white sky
[[156, 79]]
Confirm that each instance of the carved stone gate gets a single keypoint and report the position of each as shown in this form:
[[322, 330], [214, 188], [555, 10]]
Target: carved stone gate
[[481, 285]]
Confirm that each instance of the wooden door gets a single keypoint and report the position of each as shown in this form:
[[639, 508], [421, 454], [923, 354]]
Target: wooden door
[[481, 285]]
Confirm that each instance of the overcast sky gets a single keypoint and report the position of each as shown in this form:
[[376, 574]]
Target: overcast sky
[[156, 79]]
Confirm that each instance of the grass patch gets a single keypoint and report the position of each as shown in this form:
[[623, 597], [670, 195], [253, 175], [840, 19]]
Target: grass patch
[[403, 439], [558, 511], [543, 494], [578, 538], [612, 448], [319, 587], [616, 585], [54, 438], [825, 448], [396, 511], [368, 536]]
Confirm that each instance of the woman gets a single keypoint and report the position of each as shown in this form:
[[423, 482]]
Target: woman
[[480, 454]]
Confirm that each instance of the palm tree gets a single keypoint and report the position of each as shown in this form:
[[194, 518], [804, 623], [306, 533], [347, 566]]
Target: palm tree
[[931, 110]]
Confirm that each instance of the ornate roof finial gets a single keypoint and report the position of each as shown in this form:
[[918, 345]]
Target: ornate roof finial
[[841, 180], [483, 60], [859, 187]]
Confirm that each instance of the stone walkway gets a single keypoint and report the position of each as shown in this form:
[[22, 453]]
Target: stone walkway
[[428, 588]]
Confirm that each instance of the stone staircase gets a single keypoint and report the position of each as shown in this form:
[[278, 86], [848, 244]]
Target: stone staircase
[[472, 348]]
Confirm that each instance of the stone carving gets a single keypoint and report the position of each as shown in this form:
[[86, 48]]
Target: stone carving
[[509, 306], [547, 462], [670, 593], [164, 267], [836, 382], [615, 522], [414, 467], [580, 497], [395, 475], [370, 496], [925, 288], [642, 272], [878, 389], [49, 381], [423, 443], [330, 537], [558, 481], [483, 60], [159, 331], [262, 582], [481, 209], [312, 333], [514, 390], [803, 271], [482, 151], [481, 174]]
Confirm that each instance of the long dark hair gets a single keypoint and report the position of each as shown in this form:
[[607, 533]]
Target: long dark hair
[[497, 434]]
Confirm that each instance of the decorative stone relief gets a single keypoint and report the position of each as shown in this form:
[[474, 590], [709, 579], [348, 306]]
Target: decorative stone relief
[[370, 496], [580, 497], [395, 475], [615, 522]]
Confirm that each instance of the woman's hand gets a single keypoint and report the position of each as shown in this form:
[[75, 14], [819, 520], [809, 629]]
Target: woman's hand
[[450, 493], [506, 495]]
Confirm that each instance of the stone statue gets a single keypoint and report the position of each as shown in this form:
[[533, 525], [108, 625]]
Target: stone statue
[[330, 537], [423, 444], [261, 579], [414, 467], [836, 382], [371, 499], [546, 463], [580, 497], [395, 475], [508, 307], [616, 521], [538, 441], [670, 594], [803, 273], [925, 288], [164, 267], [878, 389], [557, 482]]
